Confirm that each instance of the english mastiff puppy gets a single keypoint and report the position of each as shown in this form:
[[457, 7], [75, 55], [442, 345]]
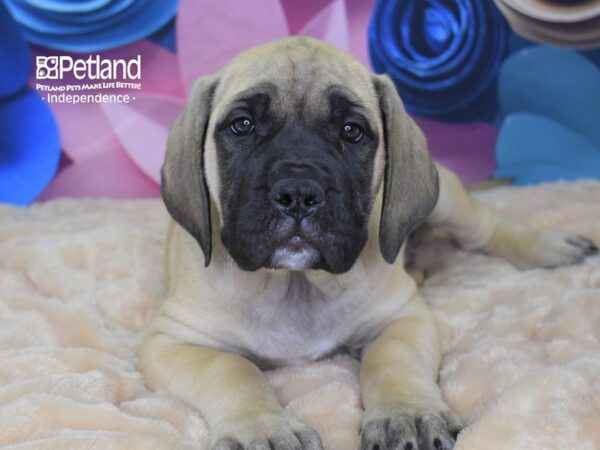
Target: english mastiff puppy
[[294, 177]]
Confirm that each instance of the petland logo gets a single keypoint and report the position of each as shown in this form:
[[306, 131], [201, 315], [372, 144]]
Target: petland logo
[[92, 68], [64, 79]]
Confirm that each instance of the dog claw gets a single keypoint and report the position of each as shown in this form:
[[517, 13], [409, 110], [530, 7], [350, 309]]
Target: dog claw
[[407, 432]]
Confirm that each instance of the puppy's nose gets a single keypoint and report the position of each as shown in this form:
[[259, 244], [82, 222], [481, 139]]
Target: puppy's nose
[[297, 197]]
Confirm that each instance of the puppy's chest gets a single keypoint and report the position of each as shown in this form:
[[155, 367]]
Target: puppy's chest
[[294, 322]]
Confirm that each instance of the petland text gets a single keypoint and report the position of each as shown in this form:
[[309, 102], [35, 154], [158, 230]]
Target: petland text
[[92, 68]]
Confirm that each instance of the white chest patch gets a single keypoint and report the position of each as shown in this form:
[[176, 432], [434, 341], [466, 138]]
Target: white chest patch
[[293, 321]]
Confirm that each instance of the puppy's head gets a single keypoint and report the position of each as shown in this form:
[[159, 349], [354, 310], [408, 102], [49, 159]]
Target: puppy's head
[[291, 143]]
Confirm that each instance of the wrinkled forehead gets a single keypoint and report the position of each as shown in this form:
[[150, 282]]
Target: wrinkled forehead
[[297, 78]]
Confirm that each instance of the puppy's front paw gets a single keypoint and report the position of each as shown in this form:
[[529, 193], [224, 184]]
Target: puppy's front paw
[[554, 248], [428, 431], [266, 432]]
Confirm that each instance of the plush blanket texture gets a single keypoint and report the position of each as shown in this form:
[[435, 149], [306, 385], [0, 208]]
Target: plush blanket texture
[[79, 279]]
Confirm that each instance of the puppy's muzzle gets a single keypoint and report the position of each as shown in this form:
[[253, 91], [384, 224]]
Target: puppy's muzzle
[[297, 197]]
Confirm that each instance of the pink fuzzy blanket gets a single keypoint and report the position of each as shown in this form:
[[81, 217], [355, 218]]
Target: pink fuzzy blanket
[[79, 279]]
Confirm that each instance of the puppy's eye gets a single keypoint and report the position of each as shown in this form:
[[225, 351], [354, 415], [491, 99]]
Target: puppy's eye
[[352, 132], [241, 126]]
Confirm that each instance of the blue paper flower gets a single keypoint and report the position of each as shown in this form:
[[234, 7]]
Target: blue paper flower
[[90, 25], [443, 55], [29, 142]]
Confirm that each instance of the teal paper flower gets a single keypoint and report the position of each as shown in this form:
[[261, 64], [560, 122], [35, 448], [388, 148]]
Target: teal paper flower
[[550, 98]]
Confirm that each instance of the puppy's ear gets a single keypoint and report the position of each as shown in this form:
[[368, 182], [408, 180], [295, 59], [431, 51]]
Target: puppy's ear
[[410, 189], [183, 183]]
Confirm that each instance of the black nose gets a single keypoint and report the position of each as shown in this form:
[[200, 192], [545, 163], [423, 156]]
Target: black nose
[[297, 197]]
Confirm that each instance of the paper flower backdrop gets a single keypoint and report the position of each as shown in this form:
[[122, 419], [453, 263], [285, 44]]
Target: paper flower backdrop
[[440, 52], [89, 25], [29, 143]]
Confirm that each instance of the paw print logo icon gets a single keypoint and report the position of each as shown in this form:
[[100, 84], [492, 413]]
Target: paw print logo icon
[[46, 67]]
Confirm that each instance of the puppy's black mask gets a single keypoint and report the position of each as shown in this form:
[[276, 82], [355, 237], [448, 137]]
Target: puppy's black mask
[[296, 179]]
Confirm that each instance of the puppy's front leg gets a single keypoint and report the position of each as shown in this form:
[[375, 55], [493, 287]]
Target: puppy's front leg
[[403, 404], [232, 394]]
